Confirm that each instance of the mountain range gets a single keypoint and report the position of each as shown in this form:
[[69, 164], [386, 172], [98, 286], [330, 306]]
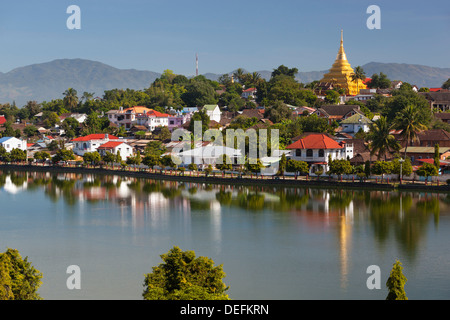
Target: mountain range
[[47, 81]]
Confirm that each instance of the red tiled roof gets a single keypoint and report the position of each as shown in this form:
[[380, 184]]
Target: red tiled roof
[[110, 144], [315, 141], [2, 119], [154, 113], [96, 136]]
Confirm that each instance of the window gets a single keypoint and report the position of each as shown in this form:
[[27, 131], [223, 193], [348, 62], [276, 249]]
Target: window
[[321, 153], [309, 153], [298, 152]]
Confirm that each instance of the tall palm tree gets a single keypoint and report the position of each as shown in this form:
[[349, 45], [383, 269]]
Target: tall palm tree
[[239, 74], [409, 122], [380, 139], [70, 99], [358, 74]]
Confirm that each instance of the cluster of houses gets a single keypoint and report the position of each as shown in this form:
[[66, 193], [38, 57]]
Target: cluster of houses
[[313, 148]]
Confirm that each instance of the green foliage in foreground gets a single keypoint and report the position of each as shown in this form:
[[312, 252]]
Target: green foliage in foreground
[[182, 276], [396, 283], [19, 280]]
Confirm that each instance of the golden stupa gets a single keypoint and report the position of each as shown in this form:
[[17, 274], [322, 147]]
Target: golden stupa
[[340, 74]]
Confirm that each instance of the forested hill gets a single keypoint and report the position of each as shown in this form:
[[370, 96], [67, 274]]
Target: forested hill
[[47, 81]]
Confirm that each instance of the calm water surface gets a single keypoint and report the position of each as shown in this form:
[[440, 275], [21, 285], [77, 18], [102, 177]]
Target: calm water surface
[[274, 243]]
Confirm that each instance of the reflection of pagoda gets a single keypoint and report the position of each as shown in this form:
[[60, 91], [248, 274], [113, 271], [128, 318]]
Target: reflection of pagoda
[[340, 75]]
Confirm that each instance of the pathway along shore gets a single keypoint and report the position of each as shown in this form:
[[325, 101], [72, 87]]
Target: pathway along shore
[[217, 178]]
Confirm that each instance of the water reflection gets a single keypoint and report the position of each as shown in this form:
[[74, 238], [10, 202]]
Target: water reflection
[[405, 216]]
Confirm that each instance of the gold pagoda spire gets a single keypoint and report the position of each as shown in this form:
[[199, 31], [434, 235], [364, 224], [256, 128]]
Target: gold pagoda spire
[[340, 73]]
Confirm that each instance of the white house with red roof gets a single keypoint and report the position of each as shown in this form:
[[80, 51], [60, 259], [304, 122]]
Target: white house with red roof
[[115, 147], [316, 148], [153, 119], [92, 142], [249, 93], [138, 115]]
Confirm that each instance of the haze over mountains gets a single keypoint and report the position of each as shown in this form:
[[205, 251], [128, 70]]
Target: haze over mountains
[[47, 81]]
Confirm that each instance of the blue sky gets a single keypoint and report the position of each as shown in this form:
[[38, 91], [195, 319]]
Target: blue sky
[[255, 35]]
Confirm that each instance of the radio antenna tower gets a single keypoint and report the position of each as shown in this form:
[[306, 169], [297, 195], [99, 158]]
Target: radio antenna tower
[[196, 64]]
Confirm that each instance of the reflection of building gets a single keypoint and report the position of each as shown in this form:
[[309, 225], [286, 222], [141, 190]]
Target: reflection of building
[[340, 74]]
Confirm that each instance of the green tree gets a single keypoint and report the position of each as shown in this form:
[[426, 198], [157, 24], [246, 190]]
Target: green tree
[[92, 157], [409, 122], [332, 97], [381, 168], [183, 276], [283, 70], [70, 99], [297, 166], [380, 139], [41, 155], [19, 280], [282, 165], [278, 112], [18, 155], [151, 160], [199, 93], [396, 283], [30, 131], [340, 167], [109, 157], [226, 163], [406, 167], [63, 155], [380, 81], [357, 75], [437, 162], [427, 170], [446, 84]]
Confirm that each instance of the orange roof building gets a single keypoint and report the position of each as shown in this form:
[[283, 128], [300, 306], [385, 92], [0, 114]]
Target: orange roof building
[[317, 148]]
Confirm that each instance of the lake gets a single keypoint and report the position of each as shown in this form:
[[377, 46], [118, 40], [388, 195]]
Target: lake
[[274, 243]]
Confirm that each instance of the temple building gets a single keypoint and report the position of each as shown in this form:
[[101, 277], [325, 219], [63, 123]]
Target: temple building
[[340, 75]]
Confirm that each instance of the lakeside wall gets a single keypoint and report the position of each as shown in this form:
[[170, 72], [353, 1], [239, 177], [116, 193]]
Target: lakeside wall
[[267, 181]]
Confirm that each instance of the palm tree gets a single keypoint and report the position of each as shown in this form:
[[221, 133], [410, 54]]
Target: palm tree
[[409, 122], [358, 74], [380, 139], [239, 74], [70, 98]]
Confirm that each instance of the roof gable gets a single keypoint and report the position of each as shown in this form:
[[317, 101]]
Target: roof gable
[[315, 141]]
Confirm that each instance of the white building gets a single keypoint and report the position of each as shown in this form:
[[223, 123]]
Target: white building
[[124, 149], [138, 116], [249, 93], [208, 155], [91, 142], [316, 148], [153, 119], [355, 123], [213, 111], [10, 143]]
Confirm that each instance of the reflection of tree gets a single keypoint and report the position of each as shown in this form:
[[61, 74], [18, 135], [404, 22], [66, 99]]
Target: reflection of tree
[[291, 199], [251, 201], [340, 199], [199, 205], [224, 197], [407, 220]]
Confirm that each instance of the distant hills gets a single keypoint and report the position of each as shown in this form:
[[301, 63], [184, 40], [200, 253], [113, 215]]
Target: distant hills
[[47, 81]]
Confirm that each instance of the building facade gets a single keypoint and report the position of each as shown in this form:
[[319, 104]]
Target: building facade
[[317, 148]]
